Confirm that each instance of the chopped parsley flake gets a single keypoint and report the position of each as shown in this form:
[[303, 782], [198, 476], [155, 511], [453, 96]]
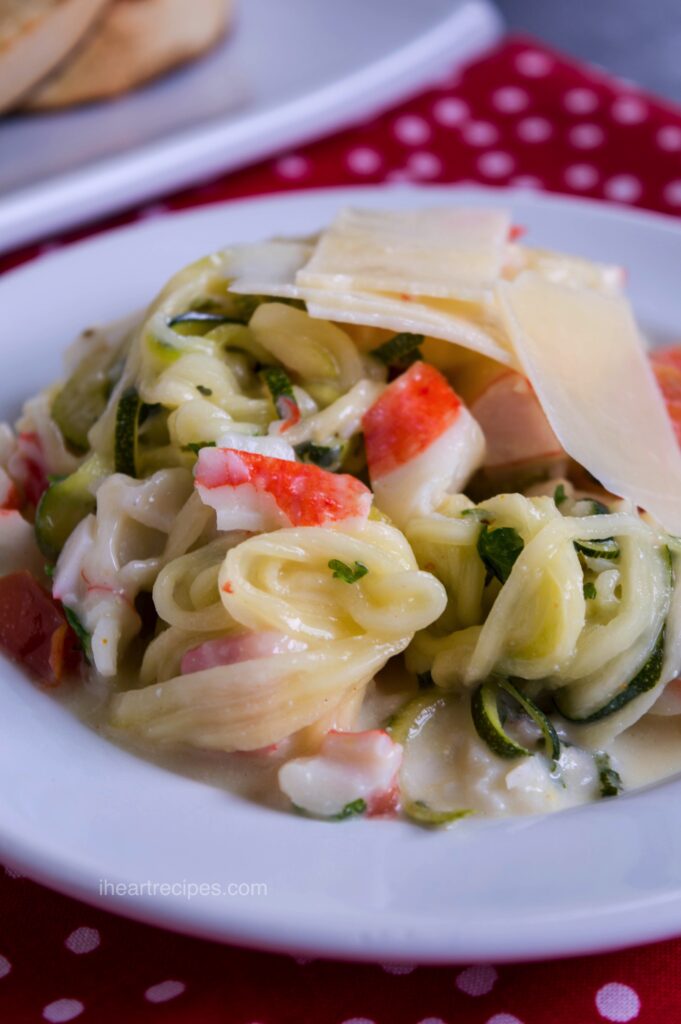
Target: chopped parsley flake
[[351, 810], [342, 571], [499, 550]]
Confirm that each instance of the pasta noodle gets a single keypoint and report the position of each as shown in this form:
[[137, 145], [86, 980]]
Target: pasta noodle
[[266, 508]]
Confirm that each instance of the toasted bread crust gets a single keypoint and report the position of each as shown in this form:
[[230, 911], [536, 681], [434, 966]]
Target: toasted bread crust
[[135, 41]]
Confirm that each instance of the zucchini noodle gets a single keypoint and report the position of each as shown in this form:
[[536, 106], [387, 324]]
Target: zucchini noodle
[[267, 510]]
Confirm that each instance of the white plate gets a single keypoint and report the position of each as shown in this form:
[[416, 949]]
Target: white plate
[[74, 809], [288, 71]]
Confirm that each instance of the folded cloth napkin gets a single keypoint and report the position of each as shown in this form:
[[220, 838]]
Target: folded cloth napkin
[[522, 116]]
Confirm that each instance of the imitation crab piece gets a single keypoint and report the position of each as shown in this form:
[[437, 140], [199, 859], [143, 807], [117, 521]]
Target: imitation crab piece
[[421, 442], [237, 647], [666, 365], [34, 631], [518, 437], [256, 493], [350, 767]]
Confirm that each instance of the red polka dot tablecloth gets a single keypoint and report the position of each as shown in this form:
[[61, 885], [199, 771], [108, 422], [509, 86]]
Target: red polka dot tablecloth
[[522, 116]]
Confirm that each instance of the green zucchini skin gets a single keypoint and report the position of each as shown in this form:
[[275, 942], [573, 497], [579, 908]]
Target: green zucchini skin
[[645, 679], [485, 713], [551, 738], [127, 428], [408, 721], [405, 725], [202, 318], [83, 398], [606, 548], [64, 504], [423, 814]]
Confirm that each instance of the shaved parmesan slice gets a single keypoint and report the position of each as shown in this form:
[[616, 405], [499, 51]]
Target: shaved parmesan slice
[[444, 253], [266, 268], [585, 359], [563, 269], [462, 324]]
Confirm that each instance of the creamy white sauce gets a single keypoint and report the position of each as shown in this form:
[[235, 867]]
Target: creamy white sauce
[[447, 765]]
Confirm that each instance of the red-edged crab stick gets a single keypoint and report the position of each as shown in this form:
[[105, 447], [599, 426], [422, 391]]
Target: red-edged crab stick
[[421, 443], [258, 493]]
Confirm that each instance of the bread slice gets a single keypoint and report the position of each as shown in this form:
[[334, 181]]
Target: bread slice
[[35, 35], [135, 41]]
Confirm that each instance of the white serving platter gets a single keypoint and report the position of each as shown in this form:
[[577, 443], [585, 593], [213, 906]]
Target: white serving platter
[[288, 71], [76, 811]]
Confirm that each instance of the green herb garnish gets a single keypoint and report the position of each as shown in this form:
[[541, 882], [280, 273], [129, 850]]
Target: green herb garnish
[[590, 592], [350, 810], [79, 629], [342, 571], [203, 390], [280, 388], [400, 350], [499, 550], [482, 515], [610, 780], [325, 456]]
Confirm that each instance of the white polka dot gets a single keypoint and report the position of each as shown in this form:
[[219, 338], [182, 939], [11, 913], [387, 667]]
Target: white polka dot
[[424, 165], [62, 1010], [83, 940], [503, 1018], [11, 873], [477, 981], [450, 111], [398, 968], [580, 101], [581, 176], [302, 960], [534, 129], [623, 188], [431, 1020], [479, 133], [672, 193], [510, 99], [586, 136], [292, 167], [533, 64], [669, 138], [629, 110], [358, 1020], [164, 991], [412, 130], [617, 1002], [5, 967], [527, 181], [495, 164], [364, 160]]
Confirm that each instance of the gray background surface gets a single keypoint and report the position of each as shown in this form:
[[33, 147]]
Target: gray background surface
[[636, 39]]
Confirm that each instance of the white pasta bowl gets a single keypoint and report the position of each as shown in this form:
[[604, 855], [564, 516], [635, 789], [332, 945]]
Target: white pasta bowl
[[94, 821]]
